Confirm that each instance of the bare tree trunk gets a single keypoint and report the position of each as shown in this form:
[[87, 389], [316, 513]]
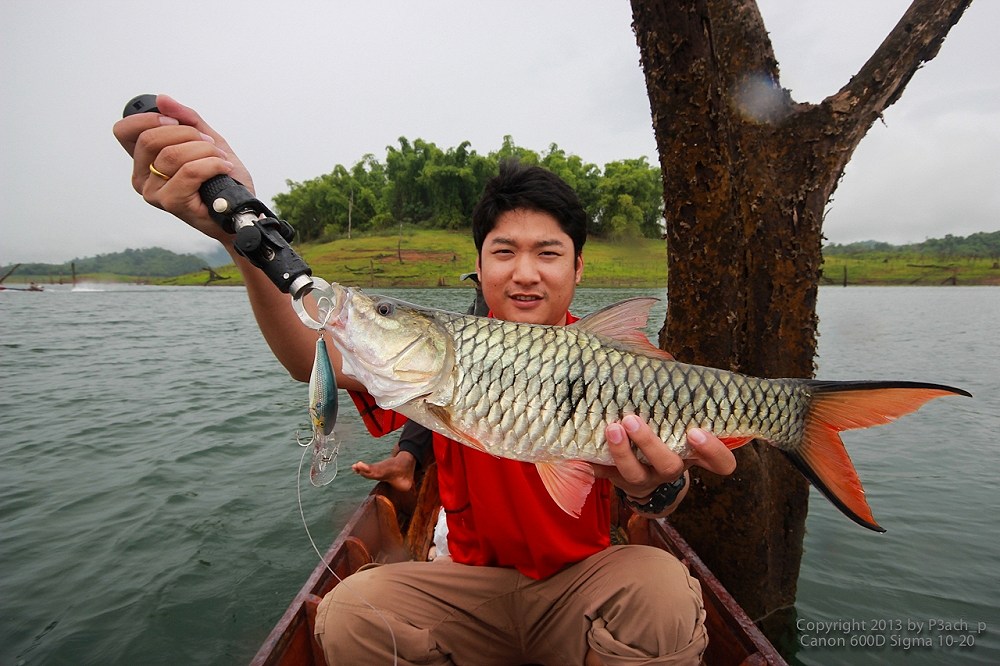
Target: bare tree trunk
[[747, 173]]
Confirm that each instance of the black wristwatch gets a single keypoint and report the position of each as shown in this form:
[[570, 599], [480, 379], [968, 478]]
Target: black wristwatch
[[660, 499]]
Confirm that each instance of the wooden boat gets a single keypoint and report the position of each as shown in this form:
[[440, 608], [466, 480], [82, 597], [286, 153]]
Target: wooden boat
[[31, 287], [391, 526]]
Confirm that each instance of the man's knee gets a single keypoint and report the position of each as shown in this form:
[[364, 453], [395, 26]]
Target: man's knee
[[355, 624], [348, 615], [659, 613]]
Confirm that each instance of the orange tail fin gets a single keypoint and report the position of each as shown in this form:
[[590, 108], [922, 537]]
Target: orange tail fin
[[838, 406]]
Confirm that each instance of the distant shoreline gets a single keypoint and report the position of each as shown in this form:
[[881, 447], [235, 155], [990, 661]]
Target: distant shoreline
[[424, 258], [586, 283]]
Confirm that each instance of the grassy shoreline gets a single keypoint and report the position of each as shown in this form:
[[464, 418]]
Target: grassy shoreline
[[437, 258], [883, 269]]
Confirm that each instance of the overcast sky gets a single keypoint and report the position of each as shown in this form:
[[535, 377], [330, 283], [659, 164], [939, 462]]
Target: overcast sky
[[298, 87]]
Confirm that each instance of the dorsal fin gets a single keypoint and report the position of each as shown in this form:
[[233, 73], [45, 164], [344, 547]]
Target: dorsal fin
[[625, 323]]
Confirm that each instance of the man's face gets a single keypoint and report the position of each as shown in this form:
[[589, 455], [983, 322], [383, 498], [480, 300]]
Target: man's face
[[528, 269]]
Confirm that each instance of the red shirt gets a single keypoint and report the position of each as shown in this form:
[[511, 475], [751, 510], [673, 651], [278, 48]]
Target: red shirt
[[504, 517]]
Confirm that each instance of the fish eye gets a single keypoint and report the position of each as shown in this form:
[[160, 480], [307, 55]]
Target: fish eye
[[385, 308]]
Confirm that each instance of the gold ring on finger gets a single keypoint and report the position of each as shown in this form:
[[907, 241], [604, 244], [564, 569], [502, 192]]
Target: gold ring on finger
[[156, 172]]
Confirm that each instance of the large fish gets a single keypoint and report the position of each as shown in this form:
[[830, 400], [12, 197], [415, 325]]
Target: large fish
[[544, 394]]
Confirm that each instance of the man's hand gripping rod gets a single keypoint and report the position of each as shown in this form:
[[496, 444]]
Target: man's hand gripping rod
[[260, 236]]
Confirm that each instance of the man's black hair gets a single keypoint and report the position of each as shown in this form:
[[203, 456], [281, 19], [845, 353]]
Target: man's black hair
[[531, 188]]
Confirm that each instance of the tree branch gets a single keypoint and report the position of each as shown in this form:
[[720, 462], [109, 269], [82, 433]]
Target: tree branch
[[915, 40]]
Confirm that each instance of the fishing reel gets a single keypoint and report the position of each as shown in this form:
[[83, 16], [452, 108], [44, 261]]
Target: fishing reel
[[260, 236]]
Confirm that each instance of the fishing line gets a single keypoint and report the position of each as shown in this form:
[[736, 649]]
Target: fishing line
[[341, 581]]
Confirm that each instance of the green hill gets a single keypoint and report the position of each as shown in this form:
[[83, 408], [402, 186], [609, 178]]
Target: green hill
[[129, 265], [437, 257]]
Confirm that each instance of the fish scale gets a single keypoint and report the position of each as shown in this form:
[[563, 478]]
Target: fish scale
[[544, 394], [541, 375]]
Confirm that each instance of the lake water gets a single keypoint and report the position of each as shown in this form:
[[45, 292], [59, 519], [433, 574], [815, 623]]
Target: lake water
[[148, 479]]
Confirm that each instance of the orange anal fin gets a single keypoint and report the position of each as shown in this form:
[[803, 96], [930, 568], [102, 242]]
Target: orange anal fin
[[735, 442], [568, 483]]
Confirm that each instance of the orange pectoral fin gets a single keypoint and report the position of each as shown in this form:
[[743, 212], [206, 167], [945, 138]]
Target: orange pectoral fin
[[568, 483]]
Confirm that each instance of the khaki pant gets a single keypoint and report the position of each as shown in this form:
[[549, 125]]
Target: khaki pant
[[630, 604]]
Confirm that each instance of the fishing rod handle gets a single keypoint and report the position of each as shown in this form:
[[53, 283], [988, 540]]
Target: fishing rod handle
[[224, 195], [260, 236]]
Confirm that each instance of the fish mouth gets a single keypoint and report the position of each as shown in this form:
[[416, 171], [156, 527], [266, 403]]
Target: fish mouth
[[329, 300]]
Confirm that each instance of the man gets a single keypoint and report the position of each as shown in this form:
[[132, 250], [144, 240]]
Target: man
[[546, 587]]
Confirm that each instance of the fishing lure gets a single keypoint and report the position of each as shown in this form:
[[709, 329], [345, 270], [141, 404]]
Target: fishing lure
[[323, 416]]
